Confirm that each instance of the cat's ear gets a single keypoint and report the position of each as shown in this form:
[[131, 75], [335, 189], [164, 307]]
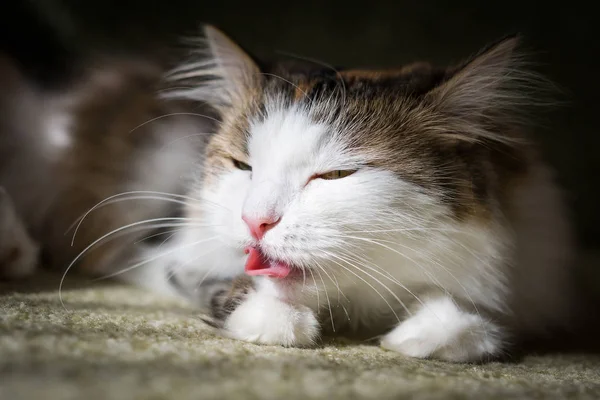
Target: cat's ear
[[219, 72], [492, 89]]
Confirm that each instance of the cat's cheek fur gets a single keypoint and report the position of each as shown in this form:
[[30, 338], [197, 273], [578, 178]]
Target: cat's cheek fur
[[265, 318], [440, 329]]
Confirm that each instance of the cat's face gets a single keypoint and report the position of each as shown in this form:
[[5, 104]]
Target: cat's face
[[316, 174]]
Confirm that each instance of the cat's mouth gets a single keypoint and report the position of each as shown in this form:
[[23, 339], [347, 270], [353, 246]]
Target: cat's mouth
[[260, 264]]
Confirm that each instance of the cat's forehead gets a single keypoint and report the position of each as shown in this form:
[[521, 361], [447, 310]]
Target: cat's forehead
[[300, 114], [313, 109], [319, 85], [288, 140]]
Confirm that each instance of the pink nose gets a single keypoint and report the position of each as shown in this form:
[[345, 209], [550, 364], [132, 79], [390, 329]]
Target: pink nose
[[259, 226]]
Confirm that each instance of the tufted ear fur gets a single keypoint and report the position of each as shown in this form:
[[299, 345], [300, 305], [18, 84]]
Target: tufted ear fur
[[488, 94], [219, 72]]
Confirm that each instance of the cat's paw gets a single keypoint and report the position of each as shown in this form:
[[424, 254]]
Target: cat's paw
[[257, 316], [224, 301], [18, 252], [268, 320], [441, 330]]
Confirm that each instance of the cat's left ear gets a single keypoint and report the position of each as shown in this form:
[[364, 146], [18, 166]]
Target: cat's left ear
[[221, 73], [491, 89]]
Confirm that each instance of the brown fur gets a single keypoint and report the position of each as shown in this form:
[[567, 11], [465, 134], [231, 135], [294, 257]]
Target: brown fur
[[112, 107], [102, 129], [225, 302]]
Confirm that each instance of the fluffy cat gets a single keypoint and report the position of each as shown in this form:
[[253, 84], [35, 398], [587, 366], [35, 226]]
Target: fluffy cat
[[408, 204]]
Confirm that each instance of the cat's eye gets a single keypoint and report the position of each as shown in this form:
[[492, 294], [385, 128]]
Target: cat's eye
[[241, 165], [337, 174]]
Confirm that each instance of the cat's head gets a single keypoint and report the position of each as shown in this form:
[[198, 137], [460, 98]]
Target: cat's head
[[330, 169]]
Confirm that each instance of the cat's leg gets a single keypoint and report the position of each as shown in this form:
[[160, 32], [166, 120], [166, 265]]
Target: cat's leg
[[18, 252], [254, 311], [441, 329]]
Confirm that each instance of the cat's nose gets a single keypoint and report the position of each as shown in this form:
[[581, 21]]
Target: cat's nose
[[259, 226]]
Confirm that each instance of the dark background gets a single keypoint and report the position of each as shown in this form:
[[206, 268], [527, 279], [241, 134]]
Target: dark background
[[50, 35]]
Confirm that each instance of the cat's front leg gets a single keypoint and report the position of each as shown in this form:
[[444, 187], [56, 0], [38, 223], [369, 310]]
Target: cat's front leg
[[253, 311], [441, 329]]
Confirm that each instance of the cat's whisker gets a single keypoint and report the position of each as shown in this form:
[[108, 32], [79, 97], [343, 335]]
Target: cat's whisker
[[291, 83], [317, 288], [354, 262], [142, 193], [139, 264], [141, 224], [167, 239], [338, 75], [156, 235], [206, 275], [435, 281], [375, 268], [419, 230], [445, 269], [413, 261], [367, 283], [202, 134], [334, 281], [303, 279], [173, 115], [327, 298], [122, 197]]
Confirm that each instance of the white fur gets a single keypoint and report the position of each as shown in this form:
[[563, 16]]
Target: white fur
[[371, 245], [440, 329], [265, 319]]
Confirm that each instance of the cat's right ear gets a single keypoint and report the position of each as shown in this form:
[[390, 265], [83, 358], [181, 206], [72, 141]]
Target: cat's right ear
[[219, 72]]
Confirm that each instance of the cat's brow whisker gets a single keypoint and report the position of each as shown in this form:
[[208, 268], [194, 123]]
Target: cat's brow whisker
[[291, 83], [173, 115], [201, 134], [338, 75]]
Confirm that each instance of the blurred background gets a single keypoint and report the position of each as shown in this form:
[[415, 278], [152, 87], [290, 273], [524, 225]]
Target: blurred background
[[50, 36]]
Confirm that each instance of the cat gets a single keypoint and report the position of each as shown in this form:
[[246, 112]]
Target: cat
[[406, 204]]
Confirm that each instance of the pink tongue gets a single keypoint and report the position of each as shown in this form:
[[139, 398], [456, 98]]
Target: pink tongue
[[258, 264]]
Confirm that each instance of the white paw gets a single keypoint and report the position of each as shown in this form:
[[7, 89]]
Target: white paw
[[443, 331], [18, 252], [265, 319]]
